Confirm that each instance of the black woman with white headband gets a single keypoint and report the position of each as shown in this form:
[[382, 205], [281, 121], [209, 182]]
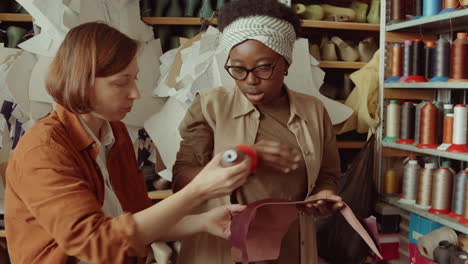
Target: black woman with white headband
[[291, 132]]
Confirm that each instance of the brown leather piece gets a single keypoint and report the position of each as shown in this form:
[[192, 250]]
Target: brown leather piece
[[256, 233]]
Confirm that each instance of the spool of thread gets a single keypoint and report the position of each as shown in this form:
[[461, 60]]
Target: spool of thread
[[410, 181], [458, 62], [418, 60], [447, 133], [407, 60], [440, 120], [431, 7], [397, 56], [391, 183], [459, 130], [418, 121], [393, 121], [442, 253], [418, 12], [464, 220], [450, 5], [428, 243], [428, 126], [429, 57], [442, 181], [233, 156], [448, 129], [408, 111], [458, 195], [441, 61], [423, 199], [463, 242], [398, 11]]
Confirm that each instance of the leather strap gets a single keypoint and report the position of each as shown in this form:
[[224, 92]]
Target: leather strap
[[256, 232]]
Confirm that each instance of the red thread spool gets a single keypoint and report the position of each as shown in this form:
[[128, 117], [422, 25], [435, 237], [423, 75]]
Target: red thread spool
[[232, 157]]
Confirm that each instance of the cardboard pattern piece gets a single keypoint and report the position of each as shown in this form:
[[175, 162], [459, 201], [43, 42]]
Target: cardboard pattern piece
[[256, 232]]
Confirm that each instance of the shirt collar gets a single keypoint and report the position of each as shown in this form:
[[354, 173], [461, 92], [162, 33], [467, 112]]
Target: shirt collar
[[106, 139], [242, 106]]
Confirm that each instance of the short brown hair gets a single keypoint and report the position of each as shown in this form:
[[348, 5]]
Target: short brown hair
[[89, 50]]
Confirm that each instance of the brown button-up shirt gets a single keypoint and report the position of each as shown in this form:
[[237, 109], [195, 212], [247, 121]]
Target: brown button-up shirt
[[221, 118], [55, 191]]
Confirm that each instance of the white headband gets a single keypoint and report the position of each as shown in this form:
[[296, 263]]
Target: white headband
[[277, 34]]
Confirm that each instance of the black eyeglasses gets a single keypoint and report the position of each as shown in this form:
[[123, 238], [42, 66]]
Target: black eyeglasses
[[263, 72]]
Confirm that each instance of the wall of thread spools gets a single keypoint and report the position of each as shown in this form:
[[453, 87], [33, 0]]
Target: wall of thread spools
[[440, 61], [409, 10], [421, 181], [431, 125]]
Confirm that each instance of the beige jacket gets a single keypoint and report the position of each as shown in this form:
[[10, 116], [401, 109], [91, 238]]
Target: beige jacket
[[230, 119]]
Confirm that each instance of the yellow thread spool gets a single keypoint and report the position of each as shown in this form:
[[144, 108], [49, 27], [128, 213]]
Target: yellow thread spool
[[391, 182]]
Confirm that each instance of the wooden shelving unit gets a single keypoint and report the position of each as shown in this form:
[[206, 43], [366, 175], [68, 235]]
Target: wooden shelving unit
[[341, 65], [305, 23], [351, 144], [177, 20], [340, 25], [198, 21], [7, 17]]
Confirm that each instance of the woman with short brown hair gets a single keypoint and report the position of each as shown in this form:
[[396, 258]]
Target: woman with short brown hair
[[73, 190]]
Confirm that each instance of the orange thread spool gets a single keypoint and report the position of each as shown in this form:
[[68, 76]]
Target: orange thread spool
[[397, 55], [459, 51], [428, 126], [448, 129], [451, 4]]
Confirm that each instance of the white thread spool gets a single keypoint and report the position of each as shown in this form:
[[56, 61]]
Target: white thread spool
[[423, 199], [410, 181], [459, 124], [393, 121], [459, 129]]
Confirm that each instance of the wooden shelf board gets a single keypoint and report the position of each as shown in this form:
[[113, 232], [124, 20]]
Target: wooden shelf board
[[391, 152], [351, 144], [442, 219], [409, 94], [433, 152], [341, 64], [159, 195], [197, 21], [400, 37], [15, 17], [177, 20], [305, 23], [427, 85], [340, 25], [448, 22]]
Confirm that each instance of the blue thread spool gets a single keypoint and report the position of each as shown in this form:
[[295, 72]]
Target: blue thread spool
[[431, 7]]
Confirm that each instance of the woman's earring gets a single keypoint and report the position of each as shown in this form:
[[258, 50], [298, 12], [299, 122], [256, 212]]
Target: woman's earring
[[285, 73]]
